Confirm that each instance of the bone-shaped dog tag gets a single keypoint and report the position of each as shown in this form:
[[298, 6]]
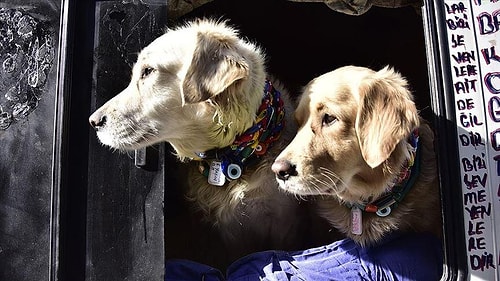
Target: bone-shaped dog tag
[[215, 174]]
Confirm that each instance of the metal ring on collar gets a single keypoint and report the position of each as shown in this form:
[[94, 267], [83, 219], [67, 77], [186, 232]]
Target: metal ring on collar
[[233, 171]]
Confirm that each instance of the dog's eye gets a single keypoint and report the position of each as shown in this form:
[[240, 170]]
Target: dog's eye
[[146, 71], [328, 119]]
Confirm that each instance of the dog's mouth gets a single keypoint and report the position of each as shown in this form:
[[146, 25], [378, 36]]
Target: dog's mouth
[[126, 137], [123, 131], [323, 183]]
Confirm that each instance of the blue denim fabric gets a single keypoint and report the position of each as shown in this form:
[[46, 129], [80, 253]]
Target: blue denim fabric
[[403, 258]]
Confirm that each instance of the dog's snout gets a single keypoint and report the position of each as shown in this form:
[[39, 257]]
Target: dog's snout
[[284, 169], [97, 120]]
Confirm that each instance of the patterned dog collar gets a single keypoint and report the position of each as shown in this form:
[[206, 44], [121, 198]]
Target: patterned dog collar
[[401, 185], [227, 163]]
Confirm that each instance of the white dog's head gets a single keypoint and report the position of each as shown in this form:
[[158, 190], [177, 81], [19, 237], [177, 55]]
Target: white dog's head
[[196, 86], [353, 124]]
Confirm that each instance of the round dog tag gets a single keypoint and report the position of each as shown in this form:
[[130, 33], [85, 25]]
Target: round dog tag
[[384, 212], [233, 171]]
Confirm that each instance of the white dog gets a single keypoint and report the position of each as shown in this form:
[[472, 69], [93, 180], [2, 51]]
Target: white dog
[[204, 89]]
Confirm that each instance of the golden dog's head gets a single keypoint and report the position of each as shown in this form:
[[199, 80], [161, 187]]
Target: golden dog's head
[[353, 125], [196, 86]]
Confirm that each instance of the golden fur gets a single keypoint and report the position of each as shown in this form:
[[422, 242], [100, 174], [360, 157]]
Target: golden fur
[[197, 87], [351, 144]]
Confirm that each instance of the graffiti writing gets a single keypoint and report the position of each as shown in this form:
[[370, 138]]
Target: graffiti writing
[[479, 211], [495, 139], [470, 120], [466, 86], [457, 40], [482, 262], [489, 55], [474, 198], [473, 139], [474, 181], [464, 57], [489, 23], [492, 82], [27, 51]]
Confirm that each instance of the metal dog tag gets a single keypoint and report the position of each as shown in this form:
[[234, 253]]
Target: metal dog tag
[[356, 221], [215, 174]]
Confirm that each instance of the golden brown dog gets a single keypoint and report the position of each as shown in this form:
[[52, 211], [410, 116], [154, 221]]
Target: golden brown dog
[[363, 150], [204, 89]]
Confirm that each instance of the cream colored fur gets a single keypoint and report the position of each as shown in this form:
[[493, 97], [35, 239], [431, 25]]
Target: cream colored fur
[[351, 144], [197, 87]]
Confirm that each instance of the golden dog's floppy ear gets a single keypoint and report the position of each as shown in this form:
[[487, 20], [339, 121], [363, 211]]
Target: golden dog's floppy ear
[[386, 116], [215, 66]]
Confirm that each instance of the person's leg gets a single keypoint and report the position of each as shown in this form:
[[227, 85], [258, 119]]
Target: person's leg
[[408, 257], [185, 270]]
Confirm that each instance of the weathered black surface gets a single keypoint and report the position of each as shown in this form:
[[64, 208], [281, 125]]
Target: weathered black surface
[[125, 203], [28, 48], [304, 40], [71, 209]]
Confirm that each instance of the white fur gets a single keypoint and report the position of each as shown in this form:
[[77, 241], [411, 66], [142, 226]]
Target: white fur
[[197, 87]]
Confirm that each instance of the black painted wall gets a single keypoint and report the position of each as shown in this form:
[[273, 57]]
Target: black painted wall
[[71, 209], [125, 203], [29, 36]]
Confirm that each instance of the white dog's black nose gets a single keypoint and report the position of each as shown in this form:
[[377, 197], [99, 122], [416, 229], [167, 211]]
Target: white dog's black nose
[[284, 169], [97, 120]]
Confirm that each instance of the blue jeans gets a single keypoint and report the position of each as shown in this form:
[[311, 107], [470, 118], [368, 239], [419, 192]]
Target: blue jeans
[[404, 257]]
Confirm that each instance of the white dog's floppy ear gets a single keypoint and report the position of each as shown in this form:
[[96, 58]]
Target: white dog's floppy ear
[[386, 116], [215, 66]]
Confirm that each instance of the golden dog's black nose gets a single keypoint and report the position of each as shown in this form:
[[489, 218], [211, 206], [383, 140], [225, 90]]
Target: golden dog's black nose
[[97, 120], [284, 169]]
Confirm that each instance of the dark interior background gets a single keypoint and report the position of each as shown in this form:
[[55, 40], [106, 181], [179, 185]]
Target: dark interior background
[[304, 40]]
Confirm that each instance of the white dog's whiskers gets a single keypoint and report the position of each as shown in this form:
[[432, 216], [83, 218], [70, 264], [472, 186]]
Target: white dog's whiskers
[[334, 183], [299, 197], [129, 154], [315, 188], [334, 178]]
